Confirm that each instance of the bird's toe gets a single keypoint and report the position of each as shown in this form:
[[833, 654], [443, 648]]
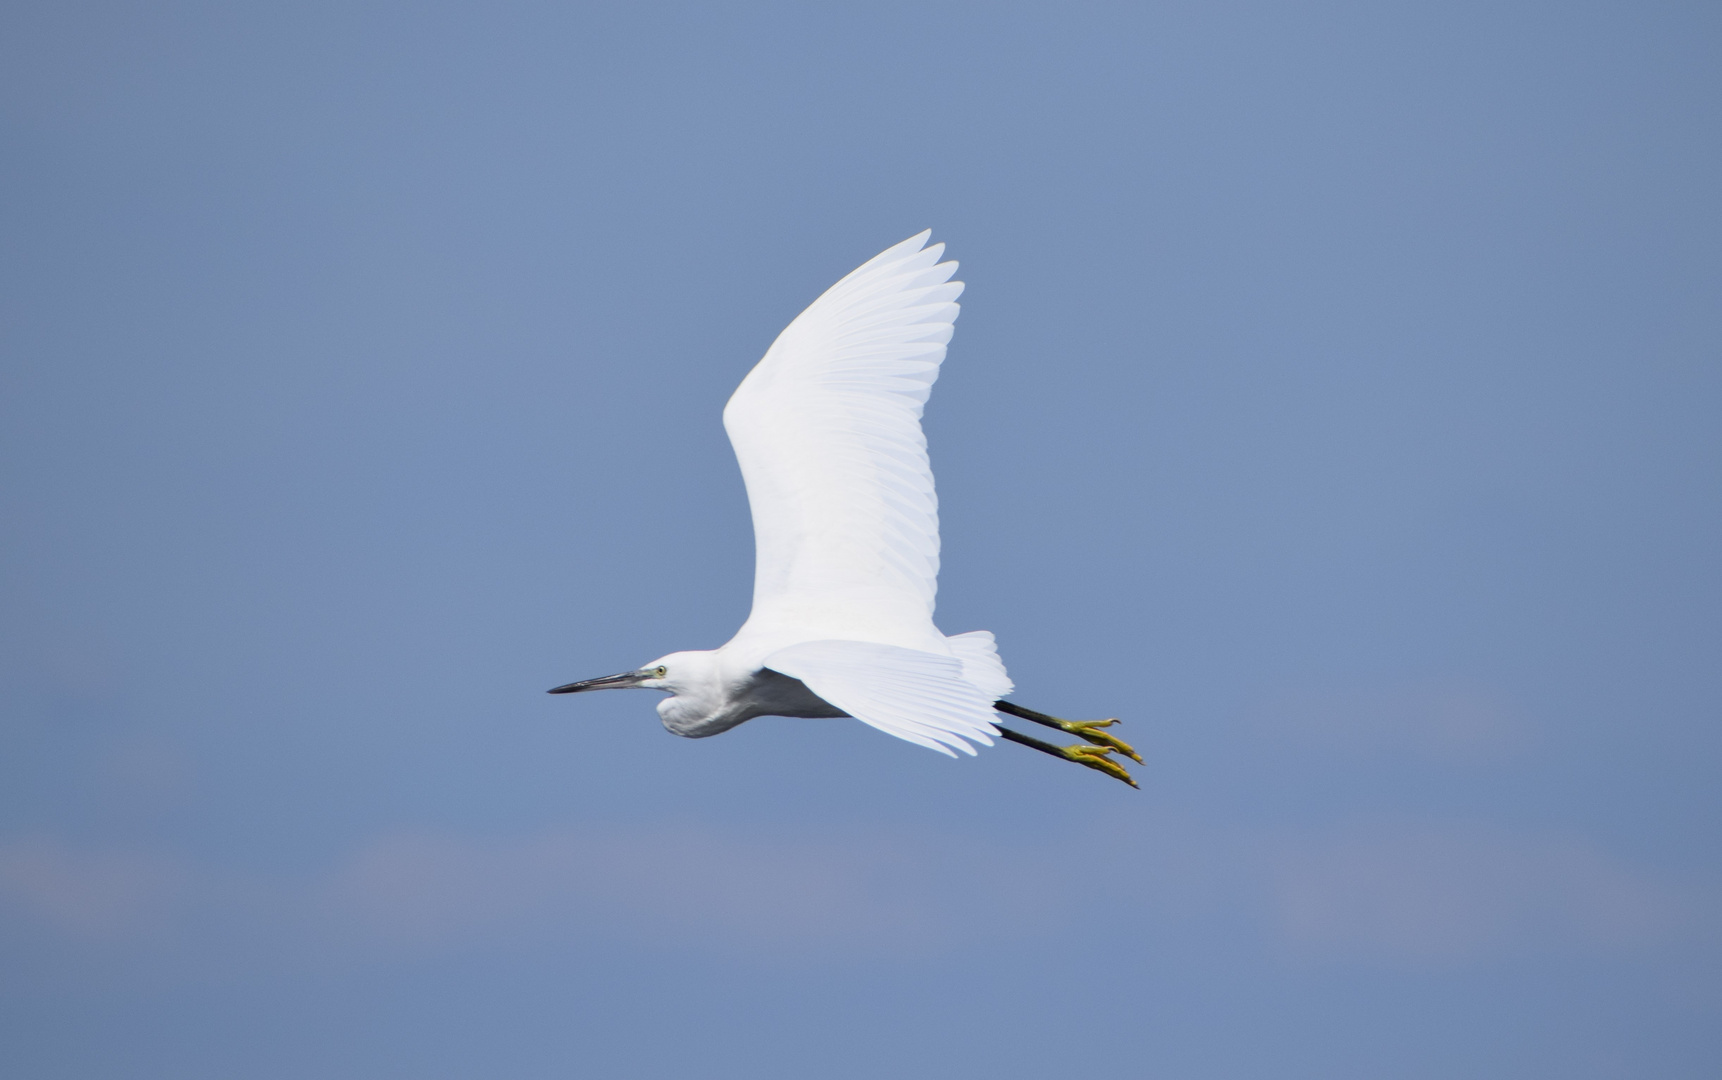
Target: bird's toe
[[1098, 757], [1090, 730]]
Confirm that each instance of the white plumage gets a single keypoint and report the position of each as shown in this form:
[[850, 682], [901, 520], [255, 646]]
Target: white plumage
[[827, 429]]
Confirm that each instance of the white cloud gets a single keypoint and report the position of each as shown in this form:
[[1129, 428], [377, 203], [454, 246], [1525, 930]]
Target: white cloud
[[686, 883], [1455, 721], [89, 894], [1419, 895], [1451, 894]]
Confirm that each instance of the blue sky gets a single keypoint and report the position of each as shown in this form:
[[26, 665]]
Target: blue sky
[[1335, 400]]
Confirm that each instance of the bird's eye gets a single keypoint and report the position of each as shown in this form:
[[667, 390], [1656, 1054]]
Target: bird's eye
[[660, 671]]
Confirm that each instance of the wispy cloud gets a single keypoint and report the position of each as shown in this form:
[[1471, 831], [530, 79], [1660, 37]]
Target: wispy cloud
[[91, 894], [766, 893], [675, 882], [1452, 721], [1418, 895], [1444, 894]]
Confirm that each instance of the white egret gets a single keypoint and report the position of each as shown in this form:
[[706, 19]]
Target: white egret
[[827, 428]]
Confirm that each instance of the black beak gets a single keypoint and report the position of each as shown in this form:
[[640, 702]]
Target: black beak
[[608, 682]]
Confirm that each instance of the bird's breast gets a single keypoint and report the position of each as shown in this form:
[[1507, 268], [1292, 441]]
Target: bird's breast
[[763, 693]]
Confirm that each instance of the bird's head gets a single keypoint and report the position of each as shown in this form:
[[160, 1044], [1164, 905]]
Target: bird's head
[[693, 679]]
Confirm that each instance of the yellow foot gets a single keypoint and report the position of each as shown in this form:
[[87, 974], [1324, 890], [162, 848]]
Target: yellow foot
[[1096, 757], [1090, 730]]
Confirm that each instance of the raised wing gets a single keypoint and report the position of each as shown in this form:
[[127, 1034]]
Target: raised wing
[[827, 428], [914, 695]]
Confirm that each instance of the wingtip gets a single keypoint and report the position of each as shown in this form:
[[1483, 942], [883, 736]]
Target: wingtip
[[909, 248]]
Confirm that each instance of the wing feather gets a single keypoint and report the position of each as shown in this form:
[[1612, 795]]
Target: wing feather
[[979, 655], [914, 695], [827, 428]]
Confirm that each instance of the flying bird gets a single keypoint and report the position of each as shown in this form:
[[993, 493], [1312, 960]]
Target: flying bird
[[827, 429]]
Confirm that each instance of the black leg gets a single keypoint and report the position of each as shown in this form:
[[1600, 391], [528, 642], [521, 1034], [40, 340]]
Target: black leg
[[1088, 730], [1028, 740], [1028, 714]]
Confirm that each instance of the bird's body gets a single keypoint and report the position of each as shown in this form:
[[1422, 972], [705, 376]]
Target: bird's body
[[827, 431]]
